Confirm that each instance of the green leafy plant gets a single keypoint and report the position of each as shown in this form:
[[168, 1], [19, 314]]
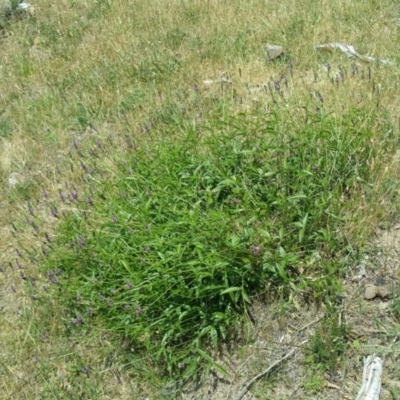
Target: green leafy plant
[[169, 249]]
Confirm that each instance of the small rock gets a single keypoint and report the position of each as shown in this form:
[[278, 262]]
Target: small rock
[[371, 291], [15, 179], [273, 51]]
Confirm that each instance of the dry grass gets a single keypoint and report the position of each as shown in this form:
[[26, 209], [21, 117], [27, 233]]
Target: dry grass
[[118, 65]]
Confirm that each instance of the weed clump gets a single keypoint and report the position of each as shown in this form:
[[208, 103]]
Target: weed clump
[[169, 251]]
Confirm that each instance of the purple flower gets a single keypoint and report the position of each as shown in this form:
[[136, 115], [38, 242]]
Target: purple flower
[[128, 285], [47, 237], [256, 250], [60, 193], [138, 311], [77, 321], [54, 212], [30, 210], [85, 370], [45, 336], [78, 297], [90, 311], [84, 167], [45, 251], [74, 195], [81, 241], [147, 249]]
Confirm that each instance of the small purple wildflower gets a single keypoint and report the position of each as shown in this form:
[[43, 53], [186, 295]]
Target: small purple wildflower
[[61, 195], [77, 321], [291, 68], [46, 235], [53, 280], [45, 251], [54, 212], [85, 370], [109, 303], [78, 297], [147, 249], [81, 241], [84, 167], [90, 311], [256, 250], [128, 285], [74, 195], [139, 311], [45, 336], [114, 219]]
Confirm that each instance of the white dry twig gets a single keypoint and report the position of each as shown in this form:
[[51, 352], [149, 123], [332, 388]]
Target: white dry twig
[[267, 371], [371, 386], [350, 51]]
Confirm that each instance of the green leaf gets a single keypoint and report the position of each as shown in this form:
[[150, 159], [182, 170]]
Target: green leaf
[[231, 289]]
